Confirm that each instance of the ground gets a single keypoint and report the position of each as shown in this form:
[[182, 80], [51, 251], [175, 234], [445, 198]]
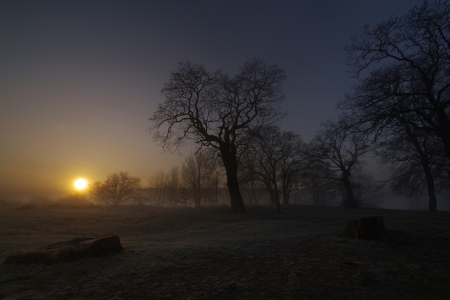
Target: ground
[[212, 253]]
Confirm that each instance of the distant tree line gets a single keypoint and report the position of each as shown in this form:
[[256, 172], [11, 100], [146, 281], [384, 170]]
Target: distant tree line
[[276, 165], [198, 182]]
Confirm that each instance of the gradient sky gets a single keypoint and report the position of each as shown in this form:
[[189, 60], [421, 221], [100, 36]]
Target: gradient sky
[[79, 79]]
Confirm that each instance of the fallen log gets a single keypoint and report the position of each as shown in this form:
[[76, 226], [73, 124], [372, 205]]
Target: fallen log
[[75, 249]]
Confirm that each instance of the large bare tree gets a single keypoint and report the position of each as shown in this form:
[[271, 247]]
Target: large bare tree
[[216, 110], [416, 161], [409, 64]]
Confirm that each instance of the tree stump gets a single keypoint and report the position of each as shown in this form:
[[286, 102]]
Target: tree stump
[[370, 228]]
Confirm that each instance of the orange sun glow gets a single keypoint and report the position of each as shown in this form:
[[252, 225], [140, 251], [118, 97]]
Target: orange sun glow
[[80, 184]]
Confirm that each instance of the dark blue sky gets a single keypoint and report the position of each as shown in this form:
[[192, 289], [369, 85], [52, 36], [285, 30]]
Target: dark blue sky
[[79, 79]]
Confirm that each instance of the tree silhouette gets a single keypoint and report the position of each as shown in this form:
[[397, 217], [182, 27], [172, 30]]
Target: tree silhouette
[[415, 160], [216, 110], [158, 190], [338, 148], [275, 158], [196, 174], [116, 189], [409, 63], [264, 158]]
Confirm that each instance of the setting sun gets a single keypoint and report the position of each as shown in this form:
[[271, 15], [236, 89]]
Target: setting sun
[[80, 184]]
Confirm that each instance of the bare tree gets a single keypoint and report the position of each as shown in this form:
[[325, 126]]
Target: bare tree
[[321, 185], [275, 158], [216, 110], [410, 59], [414, 160], [196, 173], [158, 188], [406, 146], [264, 158], [367, 191], [338, 148], [293, 164], [173, 182], [116, 189]]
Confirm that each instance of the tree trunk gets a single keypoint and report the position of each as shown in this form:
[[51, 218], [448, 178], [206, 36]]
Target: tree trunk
[[271, 193], [270, 190], [286, 194], [444, 123], [275, 189], [237, 203], [286, 190], [432, 201], [253, 192], [422, 151], [197, 197], [277, 198], [349, 199], [216, 196], [230, 164]]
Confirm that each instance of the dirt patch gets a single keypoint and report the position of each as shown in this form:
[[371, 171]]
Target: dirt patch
[[214, 254]]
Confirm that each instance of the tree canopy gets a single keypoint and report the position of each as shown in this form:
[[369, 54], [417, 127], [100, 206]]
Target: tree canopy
[[403, 67]]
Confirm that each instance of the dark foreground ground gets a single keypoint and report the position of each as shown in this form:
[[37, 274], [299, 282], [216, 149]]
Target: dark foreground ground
[[212, 253]]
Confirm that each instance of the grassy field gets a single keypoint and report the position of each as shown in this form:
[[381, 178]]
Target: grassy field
[[211, 253]]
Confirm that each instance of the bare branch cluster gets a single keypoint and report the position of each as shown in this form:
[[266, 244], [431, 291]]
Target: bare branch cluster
[[337, 150], [403, 94], [275, 158], [116, 189]]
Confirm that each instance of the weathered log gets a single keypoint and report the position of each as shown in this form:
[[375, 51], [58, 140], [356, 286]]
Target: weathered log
[[71, 250]]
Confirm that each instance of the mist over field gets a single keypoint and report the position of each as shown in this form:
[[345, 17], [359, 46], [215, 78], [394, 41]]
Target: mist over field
[[212, 253]]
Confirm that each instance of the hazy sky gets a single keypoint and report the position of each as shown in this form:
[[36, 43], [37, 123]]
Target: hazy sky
[[79, 79]]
